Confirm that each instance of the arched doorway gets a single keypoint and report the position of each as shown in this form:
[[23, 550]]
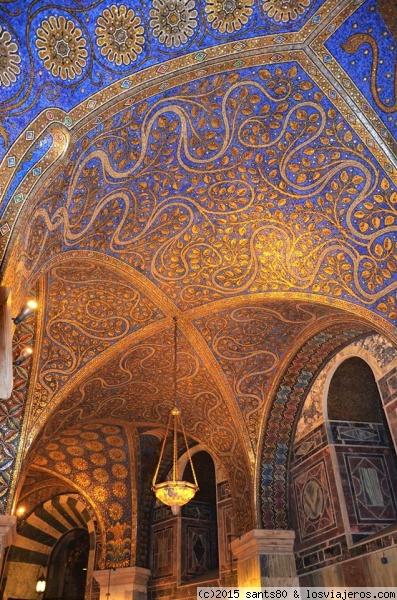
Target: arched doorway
[[67, 569]]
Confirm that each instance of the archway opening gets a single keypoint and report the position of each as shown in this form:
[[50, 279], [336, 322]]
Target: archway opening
[[67, 569]]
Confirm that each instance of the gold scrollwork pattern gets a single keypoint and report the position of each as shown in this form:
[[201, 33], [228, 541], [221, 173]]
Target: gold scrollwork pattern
[[249, 344], [256, 186], [105, 309]]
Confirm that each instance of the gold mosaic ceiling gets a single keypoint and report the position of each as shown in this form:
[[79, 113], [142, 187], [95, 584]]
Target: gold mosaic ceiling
[[239, 173]]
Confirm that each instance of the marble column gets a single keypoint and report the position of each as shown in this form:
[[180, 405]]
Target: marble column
[[265, 558], [128, 583]]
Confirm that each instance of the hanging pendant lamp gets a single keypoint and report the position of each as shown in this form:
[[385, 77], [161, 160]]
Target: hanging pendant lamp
[[41, 582], [175, 493]]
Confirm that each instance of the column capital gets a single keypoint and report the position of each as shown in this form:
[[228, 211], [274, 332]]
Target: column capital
[[263, 541]]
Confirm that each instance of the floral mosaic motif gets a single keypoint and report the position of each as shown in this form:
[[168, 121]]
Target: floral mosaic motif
[[285, 10], [120, 35], [173, 22], [227, 16], [62, 47], [9, 59]]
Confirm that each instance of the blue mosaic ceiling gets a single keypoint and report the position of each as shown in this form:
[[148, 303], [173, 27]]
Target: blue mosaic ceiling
[[230, 161]]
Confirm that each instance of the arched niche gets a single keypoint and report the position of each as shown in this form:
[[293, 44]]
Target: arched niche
[[68, 566], [343, 470], [361, 449]]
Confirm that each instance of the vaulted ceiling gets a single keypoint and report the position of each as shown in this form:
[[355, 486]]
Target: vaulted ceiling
[[231, 163]]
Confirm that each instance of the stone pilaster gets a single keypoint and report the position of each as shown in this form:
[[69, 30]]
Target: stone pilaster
[[8, 531], [128, 583], [265, 558]]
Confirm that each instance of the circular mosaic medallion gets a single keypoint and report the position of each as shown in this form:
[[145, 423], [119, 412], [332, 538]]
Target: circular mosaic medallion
[[119, 489], [80, 463], [227, 16], [83, 479], [98, 459], [173, 21], [40, 460], [285, 10], [115, 440], [313, 499], [52, 446], [75, 450], [92, 426], [101, 475], [72, 432], [117, 454], [115, 511], [55, 455], [89, 435], [110, 429], [120, 35], [69, 441], [9, 59], [63, 468], [62, 47], [100, 493], [94, 446], [119, 471]]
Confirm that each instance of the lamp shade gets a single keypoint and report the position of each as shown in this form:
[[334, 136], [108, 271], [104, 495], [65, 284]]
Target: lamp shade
[[175, 493], [40, 584]]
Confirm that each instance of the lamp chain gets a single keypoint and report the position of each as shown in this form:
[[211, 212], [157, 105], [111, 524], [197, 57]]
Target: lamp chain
[[162, 451], [175, 362], [175, 414], [174, 466], [189, 455]]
